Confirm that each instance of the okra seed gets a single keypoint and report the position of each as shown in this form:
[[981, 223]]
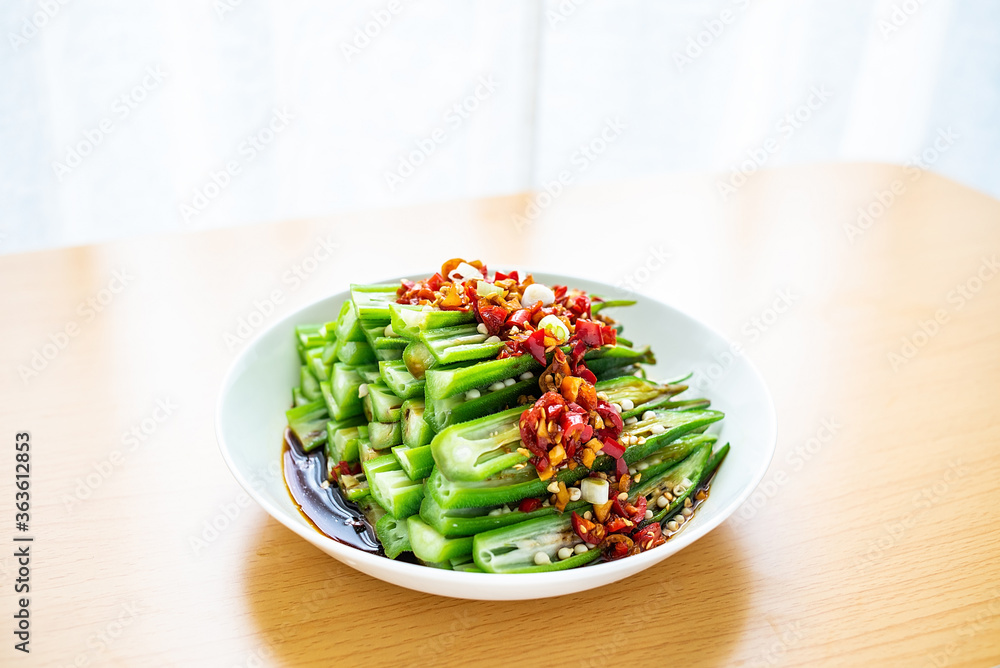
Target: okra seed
[[603, 396], [495, 512], [553, 487], [546, 503], [648, 415], [687, 502], [628, 404], [642, 440], [662, 502], [496, 386], [506, 510], [542, 559], [642, 466], [527, 375], [631, 420], [580, 548], [363, 390], [623, 496], [617, 407], [565, 552], [637, 477], [678, 490], [679, 519], [687, 512], [493, 339], [587, 515], [325, 484], [481, 328], [509, 382], [389, 331], [657, 429], [472, 394], [672, 526], [514, 330], [649, 514], [631, 470], [575, 493]]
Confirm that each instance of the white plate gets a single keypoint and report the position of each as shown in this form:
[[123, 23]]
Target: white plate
[[257, 391]]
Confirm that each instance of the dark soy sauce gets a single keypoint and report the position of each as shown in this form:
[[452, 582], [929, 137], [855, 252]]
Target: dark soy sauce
[[325, 508], [334, 516]]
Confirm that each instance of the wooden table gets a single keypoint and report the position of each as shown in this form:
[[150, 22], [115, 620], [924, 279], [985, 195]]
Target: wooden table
[[872, 541]]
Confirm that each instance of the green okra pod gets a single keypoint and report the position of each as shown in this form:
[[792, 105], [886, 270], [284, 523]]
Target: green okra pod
[[391, 487], [429, 545]]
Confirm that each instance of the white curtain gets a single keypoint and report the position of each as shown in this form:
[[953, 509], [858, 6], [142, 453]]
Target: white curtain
[[125, 117]]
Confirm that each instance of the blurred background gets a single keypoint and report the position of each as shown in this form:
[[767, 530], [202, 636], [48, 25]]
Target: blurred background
[[124, 118]]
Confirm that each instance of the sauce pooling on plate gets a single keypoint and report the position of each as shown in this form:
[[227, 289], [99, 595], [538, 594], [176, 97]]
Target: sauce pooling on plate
[[324, 507]]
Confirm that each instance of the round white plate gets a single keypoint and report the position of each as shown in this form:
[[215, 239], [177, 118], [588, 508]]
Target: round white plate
[[257, 391]]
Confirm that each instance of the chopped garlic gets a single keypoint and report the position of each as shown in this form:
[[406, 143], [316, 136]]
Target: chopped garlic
[[536, 292]]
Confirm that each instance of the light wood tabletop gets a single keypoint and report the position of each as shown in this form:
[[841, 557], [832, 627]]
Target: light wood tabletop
[[867, 295]]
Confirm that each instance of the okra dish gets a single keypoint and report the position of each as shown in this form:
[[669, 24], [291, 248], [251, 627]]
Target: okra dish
[[485, 422]]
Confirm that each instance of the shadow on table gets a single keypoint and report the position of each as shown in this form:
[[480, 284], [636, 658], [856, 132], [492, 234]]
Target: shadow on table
[[312, 610]]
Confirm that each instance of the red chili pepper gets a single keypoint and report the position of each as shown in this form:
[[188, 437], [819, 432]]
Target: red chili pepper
[[613, 448], [621, 468], [649, 536], [609, 335], [617, 525], [519, 317], [529, 505], [633, 511], [586, 374], [535, 345], [589, 333], [491, 315], [435, 282], [584, 529]]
